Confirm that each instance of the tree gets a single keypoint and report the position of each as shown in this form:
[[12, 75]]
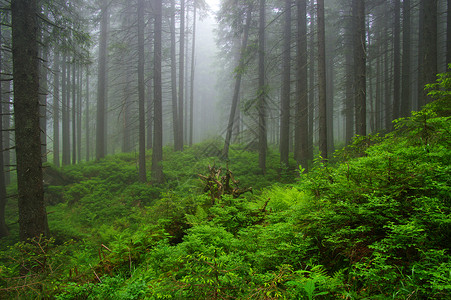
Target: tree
[[56, 109], [193, 56], [262, 89], [175, 122], [181, 77], [396, 61], [3, 228], [405, 80], [32, 213], [239, 71], [285, 87], [358, 11], [101, 85], [157, 154], [322, 101], [427, 66], [301, 118], [141, 111]]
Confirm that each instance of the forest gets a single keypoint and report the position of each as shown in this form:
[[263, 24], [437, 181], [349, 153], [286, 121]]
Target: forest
[[225, 149]]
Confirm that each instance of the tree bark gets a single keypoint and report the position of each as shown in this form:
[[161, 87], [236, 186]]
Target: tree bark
[[56, 109], [358, 8], [193, 57], [301, 118], [32, 214], [285, 88], [157, 154], [396, 61], [262, 135], [406, 104], [181, 77], [88, 142], [322, 101], [101, 86], [175, 124], [3, 228], [141, 96], [65, 95], [236, 91]]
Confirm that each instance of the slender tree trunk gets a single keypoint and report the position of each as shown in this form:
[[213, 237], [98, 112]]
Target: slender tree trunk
[[311, 77], [448, 34], [181, 76], [388, 109], [141, 96], [149, 116], [322, 101], [406, 104], [262, 135], [88, 142], [428, 47], [175, 124], [56, 107], [285, 87], [301, 122], [157, 153], [396, 61], [79, 85], [32, 214], [236, 91], [3, 228], [65, 71], [74, 113], [349, 66], [360, 69], [193, 57], [101, 85]]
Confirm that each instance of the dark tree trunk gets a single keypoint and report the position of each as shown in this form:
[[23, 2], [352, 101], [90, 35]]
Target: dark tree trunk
[[157, 154], [358, 8], [262, 136], [396, 61], [65, 94], [88, 142], [191, 101], [406, 104], [79, 85], [301, 118], [322, 101], [74, 112], [285, 87], [448, 34], [428, 48], [349, 67], [236, 91], [141, 96], [32, 214], [181, 77], [312, 83], [101, 86], [56, 109], [43, 85], [175, 124], [3, 228]]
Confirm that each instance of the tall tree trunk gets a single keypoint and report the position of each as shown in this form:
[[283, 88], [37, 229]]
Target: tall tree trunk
[[79, 94], [358, 8], [285, 87], [65, 94], [88, 142], [396, 61], [3, 228], [193, 57], [141, 96], [101, 86], [311, 96], [236, 91], [428, 47], [448, 33], [175, 124], [157, 153], [406, 104], [262, 136], [181, 77], [56, 108], [301, 118], [388, 109], [349, 67], [74, 112], [32, 214], [322, 101]]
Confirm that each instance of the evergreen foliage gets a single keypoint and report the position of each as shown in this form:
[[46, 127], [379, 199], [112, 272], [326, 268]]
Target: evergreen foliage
[[375, 224]]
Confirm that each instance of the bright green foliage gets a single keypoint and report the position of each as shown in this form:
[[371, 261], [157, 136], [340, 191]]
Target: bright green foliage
[[376, 224]]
